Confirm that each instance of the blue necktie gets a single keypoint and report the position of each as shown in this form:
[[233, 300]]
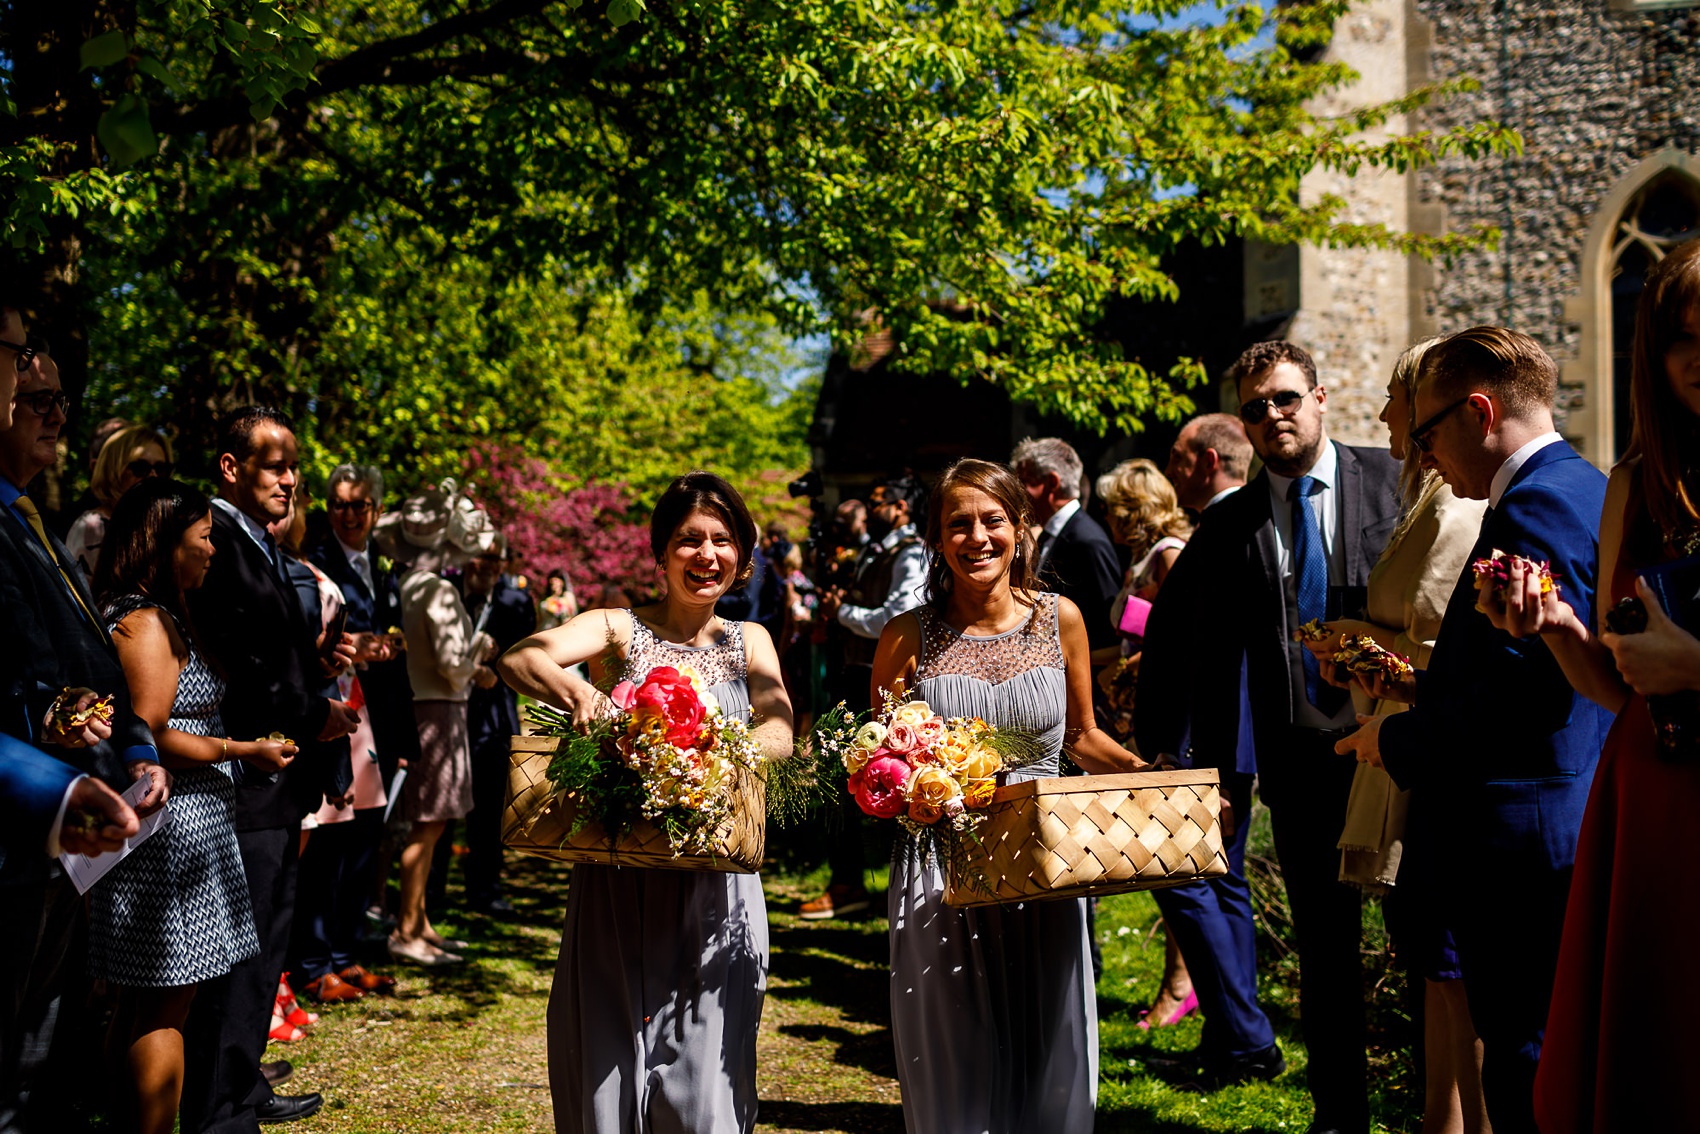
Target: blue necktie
[[1310, 567]]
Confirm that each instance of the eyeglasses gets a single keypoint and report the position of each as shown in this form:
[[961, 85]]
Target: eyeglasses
[[26, 352], [1254, 411], [1419, 435], [358, 507], [142, 469], [42, 403]]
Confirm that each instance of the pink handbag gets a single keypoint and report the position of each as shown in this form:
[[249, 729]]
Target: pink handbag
[[1134, 614]]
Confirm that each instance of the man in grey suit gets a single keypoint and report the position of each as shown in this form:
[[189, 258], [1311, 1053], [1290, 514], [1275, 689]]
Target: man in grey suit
[[1295, 544]]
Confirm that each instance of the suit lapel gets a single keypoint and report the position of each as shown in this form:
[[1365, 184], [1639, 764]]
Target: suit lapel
[[1351, 488], [57, 578]]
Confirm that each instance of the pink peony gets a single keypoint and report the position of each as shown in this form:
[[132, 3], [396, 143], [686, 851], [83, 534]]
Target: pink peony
[[901, 738], [929, 734], [878, 787], [669, 695], [624, 695]]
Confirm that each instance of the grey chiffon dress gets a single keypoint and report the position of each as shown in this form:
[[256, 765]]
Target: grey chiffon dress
[[993, 1010], [659, 986]]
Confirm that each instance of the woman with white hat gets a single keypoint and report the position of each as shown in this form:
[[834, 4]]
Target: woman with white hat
[[436, 529]]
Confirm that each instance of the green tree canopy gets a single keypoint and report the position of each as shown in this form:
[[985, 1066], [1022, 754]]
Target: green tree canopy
[[340, 205]]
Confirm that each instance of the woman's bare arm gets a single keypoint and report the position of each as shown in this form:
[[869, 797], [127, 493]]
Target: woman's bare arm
[[537, 666], [769, 703], [895, 656]]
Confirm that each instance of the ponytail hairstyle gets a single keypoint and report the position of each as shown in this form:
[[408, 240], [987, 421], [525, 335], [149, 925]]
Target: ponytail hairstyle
[[1006, 488]]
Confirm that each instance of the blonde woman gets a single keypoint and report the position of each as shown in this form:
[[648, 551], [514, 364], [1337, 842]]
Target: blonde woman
[[129, 457], [1408, 593], [1143, 514]]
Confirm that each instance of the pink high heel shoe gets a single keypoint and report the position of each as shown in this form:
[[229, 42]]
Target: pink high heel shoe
[[1187, 1008]]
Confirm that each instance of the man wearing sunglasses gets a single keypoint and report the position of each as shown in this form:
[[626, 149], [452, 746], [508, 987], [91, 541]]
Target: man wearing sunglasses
[[54, 639], [1494, 726], [1296, 543]]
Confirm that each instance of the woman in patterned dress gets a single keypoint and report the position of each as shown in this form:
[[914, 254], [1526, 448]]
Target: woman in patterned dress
[[175, 912], [994, 1015], [658, 991]]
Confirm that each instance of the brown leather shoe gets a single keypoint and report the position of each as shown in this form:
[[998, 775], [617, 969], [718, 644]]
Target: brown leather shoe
[[366, 981], [838, 901], [329, 989]]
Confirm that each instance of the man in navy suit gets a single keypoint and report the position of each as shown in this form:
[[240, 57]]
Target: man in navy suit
[[1296, 543], [1211, 920], [53, 638], [1494, 726]]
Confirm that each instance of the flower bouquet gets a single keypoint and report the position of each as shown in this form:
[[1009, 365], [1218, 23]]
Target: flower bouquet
[[1060, 837], [1493, 572], [665, 780]]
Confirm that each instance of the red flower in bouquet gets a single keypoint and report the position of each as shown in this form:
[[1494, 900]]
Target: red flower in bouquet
[[879, 786], [668, 695]]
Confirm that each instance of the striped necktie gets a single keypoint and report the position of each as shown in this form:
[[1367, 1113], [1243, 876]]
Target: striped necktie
[[33, 517]]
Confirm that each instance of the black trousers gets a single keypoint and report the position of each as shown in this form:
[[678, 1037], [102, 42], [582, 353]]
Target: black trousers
[[483, 835], [1305, 784], [36, 958], [330, 902], [226, 1035]]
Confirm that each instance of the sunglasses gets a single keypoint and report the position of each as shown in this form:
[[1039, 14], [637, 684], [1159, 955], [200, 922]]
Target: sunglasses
[[1419, 435], [42, 403], [141, 469], [1285, 403], [26, 352]]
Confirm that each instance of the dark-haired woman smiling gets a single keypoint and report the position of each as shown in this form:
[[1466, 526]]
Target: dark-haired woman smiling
[[176, 911], [658, 992]]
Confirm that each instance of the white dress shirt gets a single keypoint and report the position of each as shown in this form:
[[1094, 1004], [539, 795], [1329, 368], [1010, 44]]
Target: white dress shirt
[[1326, 504], [908, 587], [1508, 471], [361, 561]]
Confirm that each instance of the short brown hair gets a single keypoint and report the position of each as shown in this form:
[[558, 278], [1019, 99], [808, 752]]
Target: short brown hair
[[1224, 433], [1495, 360], [1260, 357], [705, 492]]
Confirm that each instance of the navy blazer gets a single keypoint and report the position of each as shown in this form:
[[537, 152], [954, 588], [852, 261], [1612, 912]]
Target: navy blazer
[[1238, 622], [1494, 715], [32, 785], [389, 693], [492, 715], [48, 644], [1082, 566], [1169, 670], [254, 630]]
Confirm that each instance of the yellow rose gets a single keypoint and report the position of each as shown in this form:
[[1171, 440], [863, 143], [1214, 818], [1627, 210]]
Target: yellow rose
[[982, 763], [855, 759], [912, 713], [933, 785], [977, 794], [954, 752]]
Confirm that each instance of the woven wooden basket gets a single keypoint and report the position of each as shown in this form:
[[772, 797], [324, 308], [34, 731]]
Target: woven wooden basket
[[538, 820], [1080, 835]]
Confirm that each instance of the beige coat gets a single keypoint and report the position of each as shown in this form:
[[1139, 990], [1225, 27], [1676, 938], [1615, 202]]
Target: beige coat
[[442, 650]]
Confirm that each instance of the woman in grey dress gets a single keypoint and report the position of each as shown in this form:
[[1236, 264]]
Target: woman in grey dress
[[993, 1011], [658, 991], [176, 911]]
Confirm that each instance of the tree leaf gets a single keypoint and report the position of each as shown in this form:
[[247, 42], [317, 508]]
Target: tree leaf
[[104, 50], [126, 133], [622, 12], [148, 65]]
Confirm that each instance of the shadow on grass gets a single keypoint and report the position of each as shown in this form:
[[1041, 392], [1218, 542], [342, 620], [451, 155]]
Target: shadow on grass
[[841, 1118]]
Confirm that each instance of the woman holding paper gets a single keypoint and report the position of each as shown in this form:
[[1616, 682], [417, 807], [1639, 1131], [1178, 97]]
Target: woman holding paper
[[176, 911]]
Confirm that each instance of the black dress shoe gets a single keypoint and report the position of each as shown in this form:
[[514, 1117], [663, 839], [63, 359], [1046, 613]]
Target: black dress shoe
[[1218, 1073], [288, 1108], [278, 1072]]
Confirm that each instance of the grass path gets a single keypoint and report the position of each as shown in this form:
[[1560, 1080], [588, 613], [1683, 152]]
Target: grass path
[[464, 1049]]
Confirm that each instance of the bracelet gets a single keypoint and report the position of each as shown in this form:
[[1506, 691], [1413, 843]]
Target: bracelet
[[224, 751]]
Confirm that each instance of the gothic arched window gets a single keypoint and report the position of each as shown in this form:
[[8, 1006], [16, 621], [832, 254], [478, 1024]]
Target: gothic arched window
[[1665, 213]]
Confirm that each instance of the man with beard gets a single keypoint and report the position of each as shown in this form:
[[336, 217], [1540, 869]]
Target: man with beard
[[1295, 544]]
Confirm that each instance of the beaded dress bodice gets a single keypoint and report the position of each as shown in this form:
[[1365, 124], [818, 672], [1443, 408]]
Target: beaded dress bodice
[[723, 666], [1016, 679]]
